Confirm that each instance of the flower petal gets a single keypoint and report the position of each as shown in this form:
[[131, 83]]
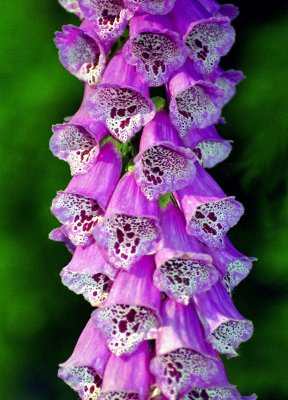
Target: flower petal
[[83, 371], [110, 17], [194, 103], [128, 376], [130, 314], [154, 48], [209, 213], [225, 328], [121, 101], [81, 54]]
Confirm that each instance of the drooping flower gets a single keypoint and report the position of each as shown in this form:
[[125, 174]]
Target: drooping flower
[[127, 377], [183, 359], [109, 17], [209, 148], [130, 228], [182, 268], [81, 52], [77, 141], [154, 48], [130, 315], [207, 38], [81, 206], [233, 265], [83, 371], [209, 213], [225, 328], [194, 102], [89, 274], [163, 164], [121, 101]]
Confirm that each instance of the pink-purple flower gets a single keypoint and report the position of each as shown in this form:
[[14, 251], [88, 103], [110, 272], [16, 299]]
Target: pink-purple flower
[[146, 224]]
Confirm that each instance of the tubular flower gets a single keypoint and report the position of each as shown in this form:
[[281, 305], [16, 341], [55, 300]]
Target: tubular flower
[[121, 101], [194, 103], [225, 328], [232, 265], [154, 48], [209, 148], [109, 17], [81, 52], [145, 223], [83, 371], [183, 358], [127, 377], [81, 206], [163, 164], [182, 268], [89, 274], [128, 230], [207, 38], [208, 211], [131, 312]]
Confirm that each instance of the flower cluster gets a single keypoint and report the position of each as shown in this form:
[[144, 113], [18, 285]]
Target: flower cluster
[[146, 223]]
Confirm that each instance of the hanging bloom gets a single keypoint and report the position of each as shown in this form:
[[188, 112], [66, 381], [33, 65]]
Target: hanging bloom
[[81, 52], [225, 328], [89, 274], [127, 377], [151, 6], [130, 227], [209, 148], [78, 140], [207, 38], [71, 6], [183, 359], [109, 17], [121, 101], [76, 145], [130, 314], [83, 371], [182, 268], [194, 103], [163, 164], [154, 48], [233, 265], [209, 213], [81, 206]]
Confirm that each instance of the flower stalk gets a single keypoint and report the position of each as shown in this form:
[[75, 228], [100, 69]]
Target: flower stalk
[[147, 225]]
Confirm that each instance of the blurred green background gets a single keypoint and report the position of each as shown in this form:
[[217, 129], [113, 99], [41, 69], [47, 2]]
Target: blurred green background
[[40, 318]]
